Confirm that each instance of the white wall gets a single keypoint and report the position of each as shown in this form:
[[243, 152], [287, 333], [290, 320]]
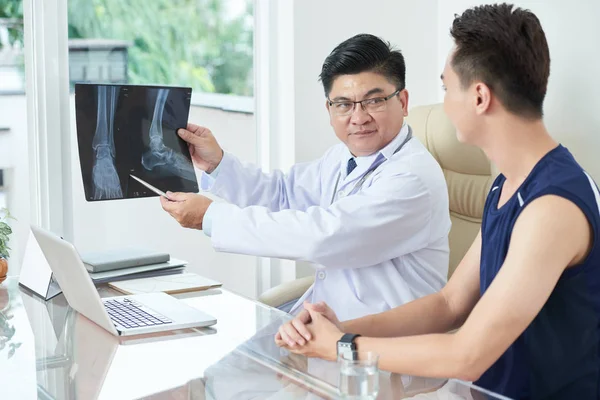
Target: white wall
[[573, 100], [142, 222], [320, 25]]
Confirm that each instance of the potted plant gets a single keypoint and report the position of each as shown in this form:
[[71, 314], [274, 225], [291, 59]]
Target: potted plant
[[5, 232]]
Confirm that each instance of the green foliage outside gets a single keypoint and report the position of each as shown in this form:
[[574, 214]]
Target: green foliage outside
[[12, 11], [174, 42]]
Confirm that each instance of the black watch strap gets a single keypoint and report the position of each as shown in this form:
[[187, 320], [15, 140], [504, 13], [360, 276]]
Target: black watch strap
[[349, 338], [346, 343]]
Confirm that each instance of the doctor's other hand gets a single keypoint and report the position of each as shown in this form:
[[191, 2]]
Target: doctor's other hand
[[295, 332], [324, 337], [187, 208], [204, 149]]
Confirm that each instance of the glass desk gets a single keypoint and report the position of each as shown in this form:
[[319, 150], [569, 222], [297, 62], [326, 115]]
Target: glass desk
[[49, 351]]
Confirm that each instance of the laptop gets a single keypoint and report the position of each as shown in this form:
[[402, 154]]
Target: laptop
[[120, 315]]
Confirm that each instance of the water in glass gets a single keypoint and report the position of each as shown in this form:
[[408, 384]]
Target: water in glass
[[359, 381]]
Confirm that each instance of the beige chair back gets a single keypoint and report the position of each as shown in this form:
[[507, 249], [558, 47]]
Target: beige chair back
[[468, 173]]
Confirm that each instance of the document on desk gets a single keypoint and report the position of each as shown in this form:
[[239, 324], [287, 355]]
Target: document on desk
[[143, 271], [170, 284]]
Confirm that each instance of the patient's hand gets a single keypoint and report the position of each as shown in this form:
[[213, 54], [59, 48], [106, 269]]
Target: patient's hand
[[324, 336], [322, 308], [295, 332]]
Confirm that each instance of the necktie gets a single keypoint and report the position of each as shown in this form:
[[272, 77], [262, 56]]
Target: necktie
[[350, 167]]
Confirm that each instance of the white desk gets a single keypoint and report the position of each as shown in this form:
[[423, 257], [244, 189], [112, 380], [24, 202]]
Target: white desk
[[49, 351]]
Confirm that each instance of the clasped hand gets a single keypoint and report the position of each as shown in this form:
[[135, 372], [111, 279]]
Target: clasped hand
[[314, 332]]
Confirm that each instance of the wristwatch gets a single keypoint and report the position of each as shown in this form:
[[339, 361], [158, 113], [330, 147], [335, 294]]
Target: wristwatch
[[346, 344]]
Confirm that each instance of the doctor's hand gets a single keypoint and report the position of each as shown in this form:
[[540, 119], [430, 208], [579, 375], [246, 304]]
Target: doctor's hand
[[187, 208], [204, 149], [324, 337], [294, 332]]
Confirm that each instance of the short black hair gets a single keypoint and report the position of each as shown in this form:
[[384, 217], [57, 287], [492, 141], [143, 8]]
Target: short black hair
[[505, 48], [364, 53]]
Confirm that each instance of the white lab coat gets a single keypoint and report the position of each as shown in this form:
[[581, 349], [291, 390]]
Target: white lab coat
[[375, 247]]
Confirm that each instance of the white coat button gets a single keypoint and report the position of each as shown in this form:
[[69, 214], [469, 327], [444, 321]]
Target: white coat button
[[341, 194], [321, 275]]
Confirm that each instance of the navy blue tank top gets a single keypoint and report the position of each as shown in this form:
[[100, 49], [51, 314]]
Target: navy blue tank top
[[557, 357]]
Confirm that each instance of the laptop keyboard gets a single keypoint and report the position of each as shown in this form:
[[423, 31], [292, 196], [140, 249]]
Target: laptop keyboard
[[129, 313]]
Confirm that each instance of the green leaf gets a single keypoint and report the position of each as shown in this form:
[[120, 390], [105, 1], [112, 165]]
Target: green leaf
[[5, 229]]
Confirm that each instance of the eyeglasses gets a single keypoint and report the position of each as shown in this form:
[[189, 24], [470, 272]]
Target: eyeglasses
[[373, 105]]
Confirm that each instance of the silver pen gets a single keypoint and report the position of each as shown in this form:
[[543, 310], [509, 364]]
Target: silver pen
[[149, 186]]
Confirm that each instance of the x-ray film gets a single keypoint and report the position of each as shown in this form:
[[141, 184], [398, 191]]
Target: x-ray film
[[125, 130]]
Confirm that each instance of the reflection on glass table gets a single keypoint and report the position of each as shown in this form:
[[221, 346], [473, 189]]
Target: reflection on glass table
[[17, 354], [77, 359], [63, 355], [314, 378]]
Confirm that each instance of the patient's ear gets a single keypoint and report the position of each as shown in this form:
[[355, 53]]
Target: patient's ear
[[483, 98]]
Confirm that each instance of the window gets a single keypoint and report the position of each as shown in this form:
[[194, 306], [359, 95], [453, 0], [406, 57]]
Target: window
[[14, 163], [11, 47], [206, 45]]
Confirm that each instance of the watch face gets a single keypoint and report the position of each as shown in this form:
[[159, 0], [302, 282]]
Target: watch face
[[345, 348]]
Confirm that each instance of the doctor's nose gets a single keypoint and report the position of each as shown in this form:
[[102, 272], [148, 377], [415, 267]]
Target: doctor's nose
[[360, 116]]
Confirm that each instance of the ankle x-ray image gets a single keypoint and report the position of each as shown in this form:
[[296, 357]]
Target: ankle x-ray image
[[125, 130]]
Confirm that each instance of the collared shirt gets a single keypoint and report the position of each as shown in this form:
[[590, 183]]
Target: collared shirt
[[375, 247], [364, 163]]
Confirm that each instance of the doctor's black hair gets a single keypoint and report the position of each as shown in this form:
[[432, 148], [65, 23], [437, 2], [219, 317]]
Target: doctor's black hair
[[504, 47], [364, 53]]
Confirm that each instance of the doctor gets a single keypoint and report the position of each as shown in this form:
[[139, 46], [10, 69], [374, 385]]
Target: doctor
[[371, 214]]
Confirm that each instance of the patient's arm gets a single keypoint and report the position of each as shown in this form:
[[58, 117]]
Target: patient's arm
[[550, 235]]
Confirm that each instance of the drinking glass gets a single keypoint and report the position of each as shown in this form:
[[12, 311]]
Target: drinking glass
[[359, 375]]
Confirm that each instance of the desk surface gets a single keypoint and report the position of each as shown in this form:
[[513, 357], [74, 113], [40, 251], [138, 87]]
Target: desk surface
[[49, 351]]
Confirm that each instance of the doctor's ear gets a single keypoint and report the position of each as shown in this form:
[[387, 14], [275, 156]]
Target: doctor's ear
[[403, 97], [331, 119]]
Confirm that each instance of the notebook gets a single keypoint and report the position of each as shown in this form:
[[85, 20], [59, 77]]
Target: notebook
[[170, 284], [122, 258]]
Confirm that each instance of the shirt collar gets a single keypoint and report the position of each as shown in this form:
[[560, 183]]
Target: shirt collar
[[364, 163], [389, 150]]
